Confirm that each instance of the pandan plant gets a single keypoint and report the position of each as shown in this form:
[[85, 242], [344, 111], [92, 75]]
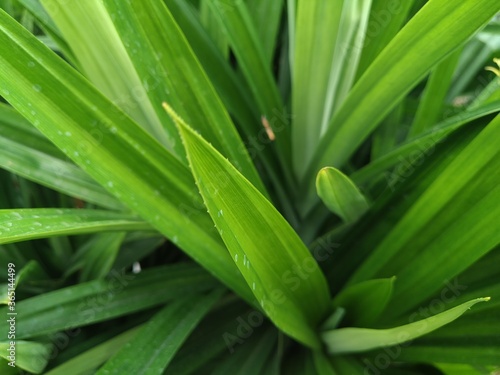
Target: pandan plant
[[250, 187]]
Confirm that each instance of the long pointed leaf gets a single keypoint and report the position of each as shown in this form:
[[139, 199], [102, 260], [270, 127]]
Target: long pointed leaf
[[450, 226], [265, 248], [27, 153], [439, 28], [352, 340], [156, 344], [28, 224], [110, 147], [100, 300]]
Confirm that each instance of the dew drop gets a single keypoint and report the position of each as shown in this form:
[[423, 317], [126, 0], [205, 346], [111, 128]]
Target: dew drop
[[37, 88], [236, 257], [220, 213], [67, 134], [110, 183], [113, 130], [253, 285], [31, 64]]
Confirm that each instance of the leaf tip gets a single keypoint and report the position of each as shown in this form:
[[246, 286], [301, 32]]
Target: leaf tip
[[173, 115]]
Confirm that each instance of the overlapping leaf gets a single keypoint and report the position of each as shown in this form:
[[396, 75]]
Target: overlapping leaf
[[266, 250], [109, 146]]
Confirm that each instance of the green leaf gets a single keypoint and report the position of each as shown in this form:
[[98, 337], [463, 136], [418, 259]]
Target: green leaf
[[96, 301], [213, 28], [459, 369], [474, 58], [158, 341], [491, 93], [434, 95], [31, 271], [386, 19], [340, 195], [217, 334], [347, 365], [422, 146], [472, 339], [364, 302], [352, 340], [353, 29], [91, 359], [28, 224], [296, 306], [266, 16], [99, 255], [402, 190], [179, 77], [89, 30], [386, 136], [236, 21], [110, 147], [229, 86], [28, 355], [450, 226], [26, 152], [478, 355], [251, 357], [322, 364], [313, 63], [438, 29], [48, 25]]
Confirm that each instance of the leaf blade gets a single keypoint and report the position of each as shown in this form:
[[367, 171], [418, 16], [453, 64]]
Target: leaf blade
[[352, 340], [157, 342], [433, 33], [226, 193]]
